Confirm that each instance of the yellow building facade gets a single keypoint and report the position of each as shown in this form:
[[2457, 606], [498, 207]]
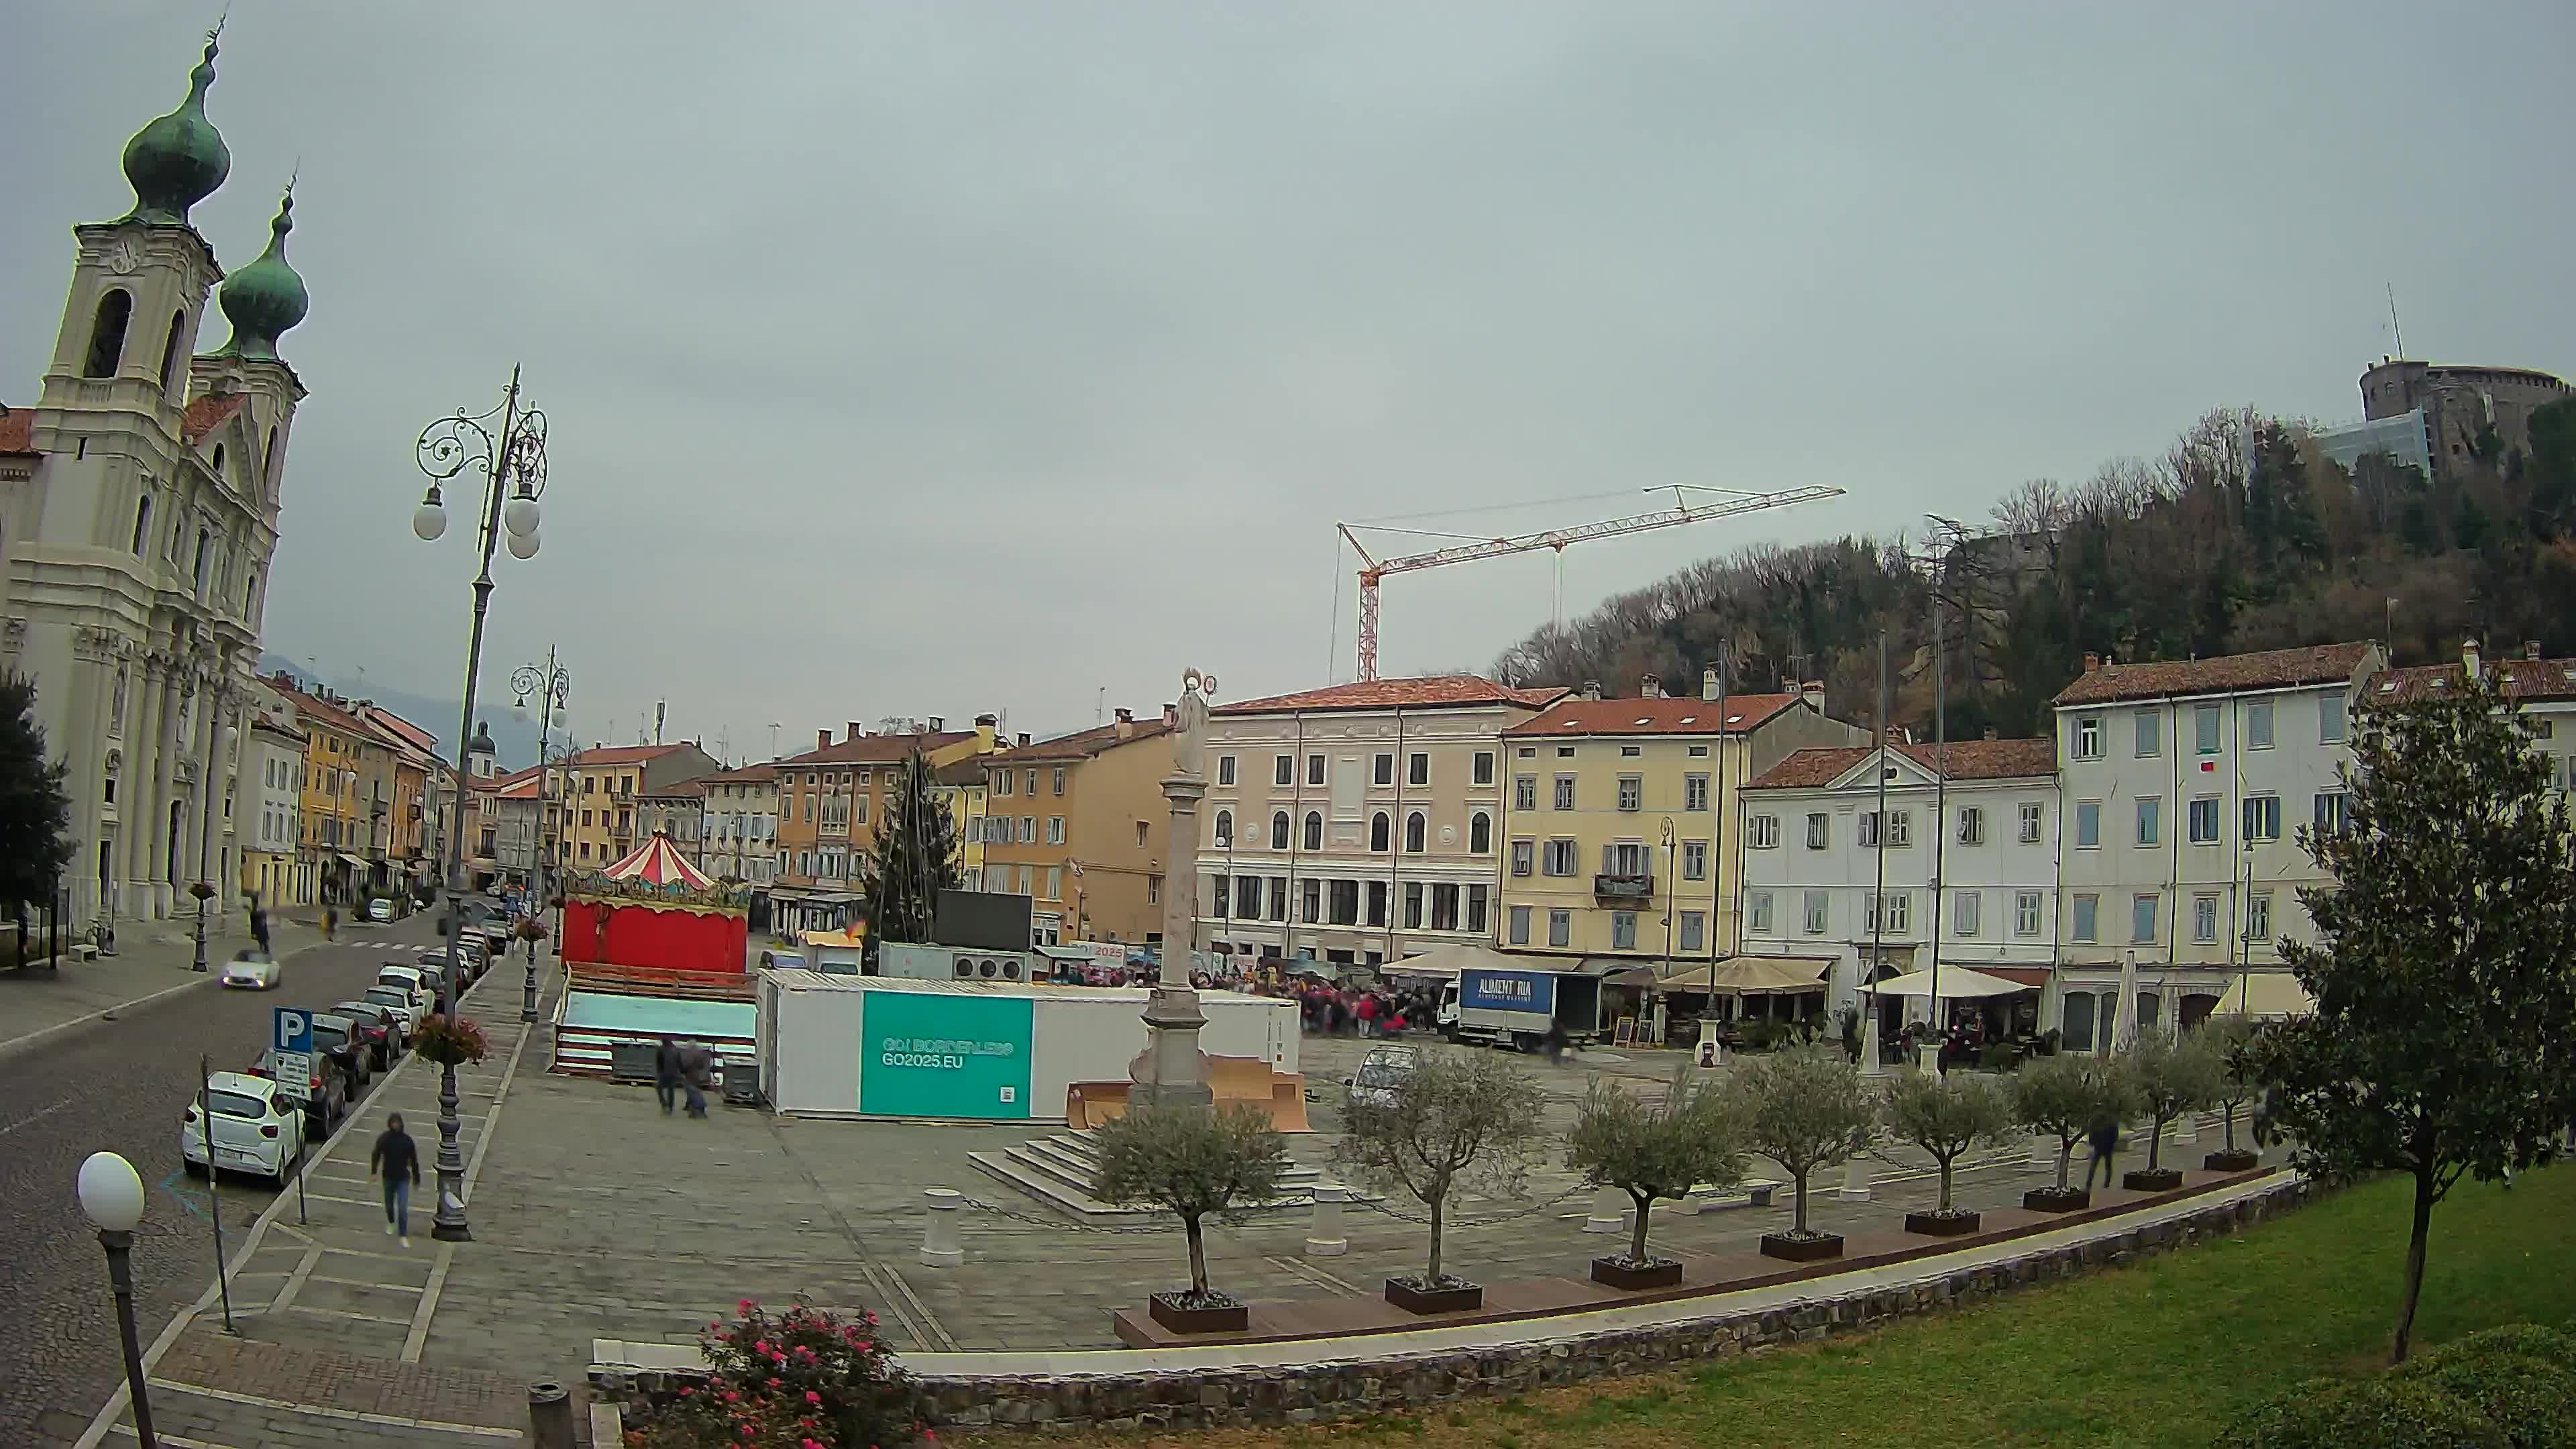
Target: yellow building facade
[[1620, 829]]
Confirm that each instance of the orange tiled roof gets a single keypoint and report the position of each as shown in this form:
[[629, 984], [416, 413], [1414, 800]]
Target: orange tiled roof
[[2521, 678], [621, 754], [1080, 745], [877, 749], [1420, 693], [2270, 669], [1660, 716], [1964, 759], [748, 775], [209, 413]]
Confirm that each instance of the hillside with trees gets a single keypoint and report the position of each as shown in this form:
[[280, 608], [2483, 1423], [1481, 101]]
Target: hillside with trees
[[2240, 536]]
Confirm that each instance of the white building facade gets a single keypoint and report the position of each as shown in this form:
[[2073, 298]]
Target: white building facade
[[1962, 864], [741, 825], [138, 505], [2184, 784], [1307, 841]]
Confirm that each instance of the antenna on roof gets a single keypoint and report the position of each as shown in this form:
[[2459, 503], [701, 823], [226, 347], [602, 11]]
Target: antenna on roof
[[2393, 327]]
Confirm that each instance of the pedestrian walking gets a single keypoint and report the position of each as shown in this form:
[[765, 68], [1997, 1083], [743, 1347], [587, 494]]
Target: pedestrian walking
[[398, 1161], [2105, 1138], [258, 924], [1366, 1011], [330, 923], [697, 1073], [666, 1073]]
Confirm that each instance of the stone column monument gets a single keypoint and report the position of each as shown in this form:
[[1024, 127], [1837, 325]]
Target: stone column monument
[[1171, 1072]]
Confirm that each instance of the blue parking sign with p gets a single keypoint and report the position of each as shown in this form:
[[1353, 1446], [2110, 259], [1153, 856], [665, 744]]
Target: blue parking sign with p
[[294, 1030]]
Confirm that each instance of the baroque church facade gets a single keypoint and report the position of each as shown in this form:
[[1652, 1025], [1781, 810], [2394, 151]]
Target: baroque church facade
[[139, 505]]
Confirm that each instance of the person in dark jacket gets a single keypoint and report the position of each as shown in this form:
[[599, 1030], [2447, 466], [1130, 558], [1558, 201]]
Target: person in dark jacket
[[399, 1162], [2105, 1138], [666, 1073], [697, 1073]]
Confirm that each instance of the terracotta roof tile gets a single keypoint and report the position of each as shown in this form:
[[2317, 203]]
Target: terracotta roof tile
[[760, 774], [1654, 716], [1421, 693], [1081, 744], [697, 787], [1965, 760], [18, 430], [2522, 679], [877, 749], [621, 754], [209, 413], [2270, 669]]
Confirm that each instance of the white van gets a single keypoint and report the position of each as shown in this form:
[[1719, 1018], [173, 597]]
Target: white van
[[257, 1128]]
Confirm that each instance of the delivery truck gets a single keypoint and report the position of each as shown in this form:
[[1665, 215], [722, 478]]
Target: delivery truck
[[1516, 1008]]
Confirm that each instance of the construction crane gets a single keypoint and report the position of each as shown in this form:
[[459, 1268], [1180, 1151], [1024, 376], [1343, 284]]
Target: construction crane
[[1373, 569]]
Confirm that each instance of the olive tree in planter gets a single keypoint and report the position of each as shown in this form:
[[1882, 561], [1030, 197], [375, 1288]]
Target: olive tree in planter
[[1192, 1163], [1458, 1119], [2226, 1038], [1946, 1116], [1806, 1109], [1650, 1149], [2172, 1077], [2063, 1096]]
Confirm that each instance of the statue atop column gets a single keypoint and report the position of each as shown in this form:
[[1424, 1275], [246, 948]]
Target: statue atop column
[[1189, 733], [1170, 1072]]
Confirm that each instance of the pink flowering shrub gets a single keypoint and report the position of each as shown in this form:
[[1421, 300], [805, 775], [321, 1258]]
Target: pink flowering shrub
[[800, 1379]]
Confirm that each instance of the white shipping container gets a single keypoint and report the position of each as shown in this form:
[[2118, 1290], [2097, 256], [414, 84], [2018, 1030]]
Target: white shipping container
[[878, 1046]]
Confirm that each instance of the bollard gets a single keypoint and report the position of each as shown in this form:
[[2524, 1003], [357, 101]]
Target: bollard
[[549, 1415], [941, 1246], [1325, 1237], [1855, 1186], [1609, 1212], [2043, 1153]]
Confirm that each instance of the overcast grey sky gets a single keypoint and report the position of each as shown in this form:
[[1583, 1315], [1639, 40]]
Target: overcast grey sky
[[934, 358]]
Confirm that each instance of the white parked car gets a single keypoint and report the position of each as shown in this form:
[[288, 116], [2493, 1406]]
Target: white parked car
[[403, 1002], [381, 909], [412, 979], [1381, 1072], [257, 1128], [253, 970]]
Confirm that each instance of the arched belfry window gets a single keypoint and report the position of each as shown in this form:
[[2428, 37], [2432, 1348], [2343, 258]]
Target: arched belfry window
[[107, 333], [268, 463], [170, 351]]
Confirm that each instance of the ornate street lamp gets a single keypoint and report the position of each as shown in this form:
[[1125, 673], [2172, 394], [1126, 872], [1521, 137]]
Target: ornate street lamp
[[554, 686], [111, 1197], [514, 477]]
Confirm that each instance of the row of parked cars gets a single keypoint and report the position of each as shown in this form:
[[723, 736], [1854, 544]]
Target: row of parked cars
[[260, 1124]]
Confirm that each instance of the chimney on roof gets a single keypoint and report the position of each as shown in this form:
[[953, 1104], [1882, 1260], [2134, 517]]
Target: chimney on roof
[[938, 724], [855, 730], [822, 739], [1650, 687], [1591, 689], [1024, 739], [987, 732], [2092, 662], [1813, 692], [1171, 716], [2469, 658], [1709, 687], [2531, 649], [1126, 725]]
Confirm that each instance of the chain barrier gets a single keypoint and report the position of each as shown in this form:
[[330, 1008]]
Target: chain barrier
[[1424, 1219]]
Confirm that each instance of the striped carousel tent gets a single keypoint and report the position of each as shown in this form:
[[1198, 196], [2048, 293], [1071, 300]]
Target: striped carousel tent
[[657, 863]]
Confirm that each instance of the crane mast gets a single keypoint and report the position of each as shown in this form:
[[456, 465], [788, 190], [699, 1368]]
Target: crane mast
[[1733, 503]]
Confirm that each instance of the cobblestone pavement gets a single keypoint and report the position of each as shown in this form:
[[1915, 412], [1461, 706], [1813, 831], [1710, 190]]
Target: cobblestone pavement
[[595, 1216], [121, 1085]]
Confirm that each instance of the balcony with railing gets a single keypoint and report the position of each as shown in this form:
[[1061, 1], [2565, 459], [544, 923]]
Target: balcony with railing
[[1624, 888]]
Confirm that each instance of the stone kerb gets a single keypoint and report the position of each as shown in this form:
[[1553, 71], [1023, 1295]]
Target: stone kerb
[[1345, 1386]]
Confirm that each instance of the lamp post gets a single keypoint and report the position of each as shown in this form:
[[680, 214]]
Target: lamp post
[[111, 1197], [514, 476], [553, 687]]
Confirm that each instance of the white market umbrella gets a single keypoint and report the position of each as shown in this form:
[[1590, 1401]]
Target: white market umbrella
[[1957, 983], [2124, 1018]]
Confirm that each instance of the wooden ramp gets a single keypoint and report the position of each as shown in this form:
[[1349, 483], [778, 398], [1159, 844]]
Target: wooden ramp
[[1230, 1079]]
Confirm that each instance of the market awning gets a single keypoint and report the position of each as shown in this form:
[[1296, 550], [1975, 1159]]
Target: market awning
[[2267, 993], [1448, 961], [1749, 975], [1956, 982], [2033, 977], [353, 860]]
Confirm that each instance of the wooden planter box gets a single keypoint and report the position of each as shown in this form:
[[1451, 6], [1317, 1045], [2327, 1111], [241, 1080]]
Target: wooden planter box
[[1801, 1250], [1229, 1318], [1656, 1273], [2050, 1200], [1942, 1225], [2152, 1179], [1463, 1298], [2238, 1161]]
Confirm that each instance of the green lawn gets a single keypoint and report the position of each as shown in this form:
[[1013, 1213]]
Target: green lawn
[[2158, 1354]]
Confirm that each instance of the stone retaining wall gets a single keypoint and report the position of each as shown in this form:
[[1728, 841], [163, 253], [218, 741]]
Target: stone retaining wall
[[1301, 1394]]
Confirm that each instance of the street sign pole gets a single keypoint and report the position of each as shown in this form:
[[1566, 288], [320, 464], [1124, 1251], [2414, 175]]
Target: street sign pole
[[291, 1055], [214, 1185]]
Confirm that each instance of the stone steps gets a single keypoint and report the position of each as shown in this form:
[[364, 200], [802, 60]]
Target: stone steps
[[1059, 1171]]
